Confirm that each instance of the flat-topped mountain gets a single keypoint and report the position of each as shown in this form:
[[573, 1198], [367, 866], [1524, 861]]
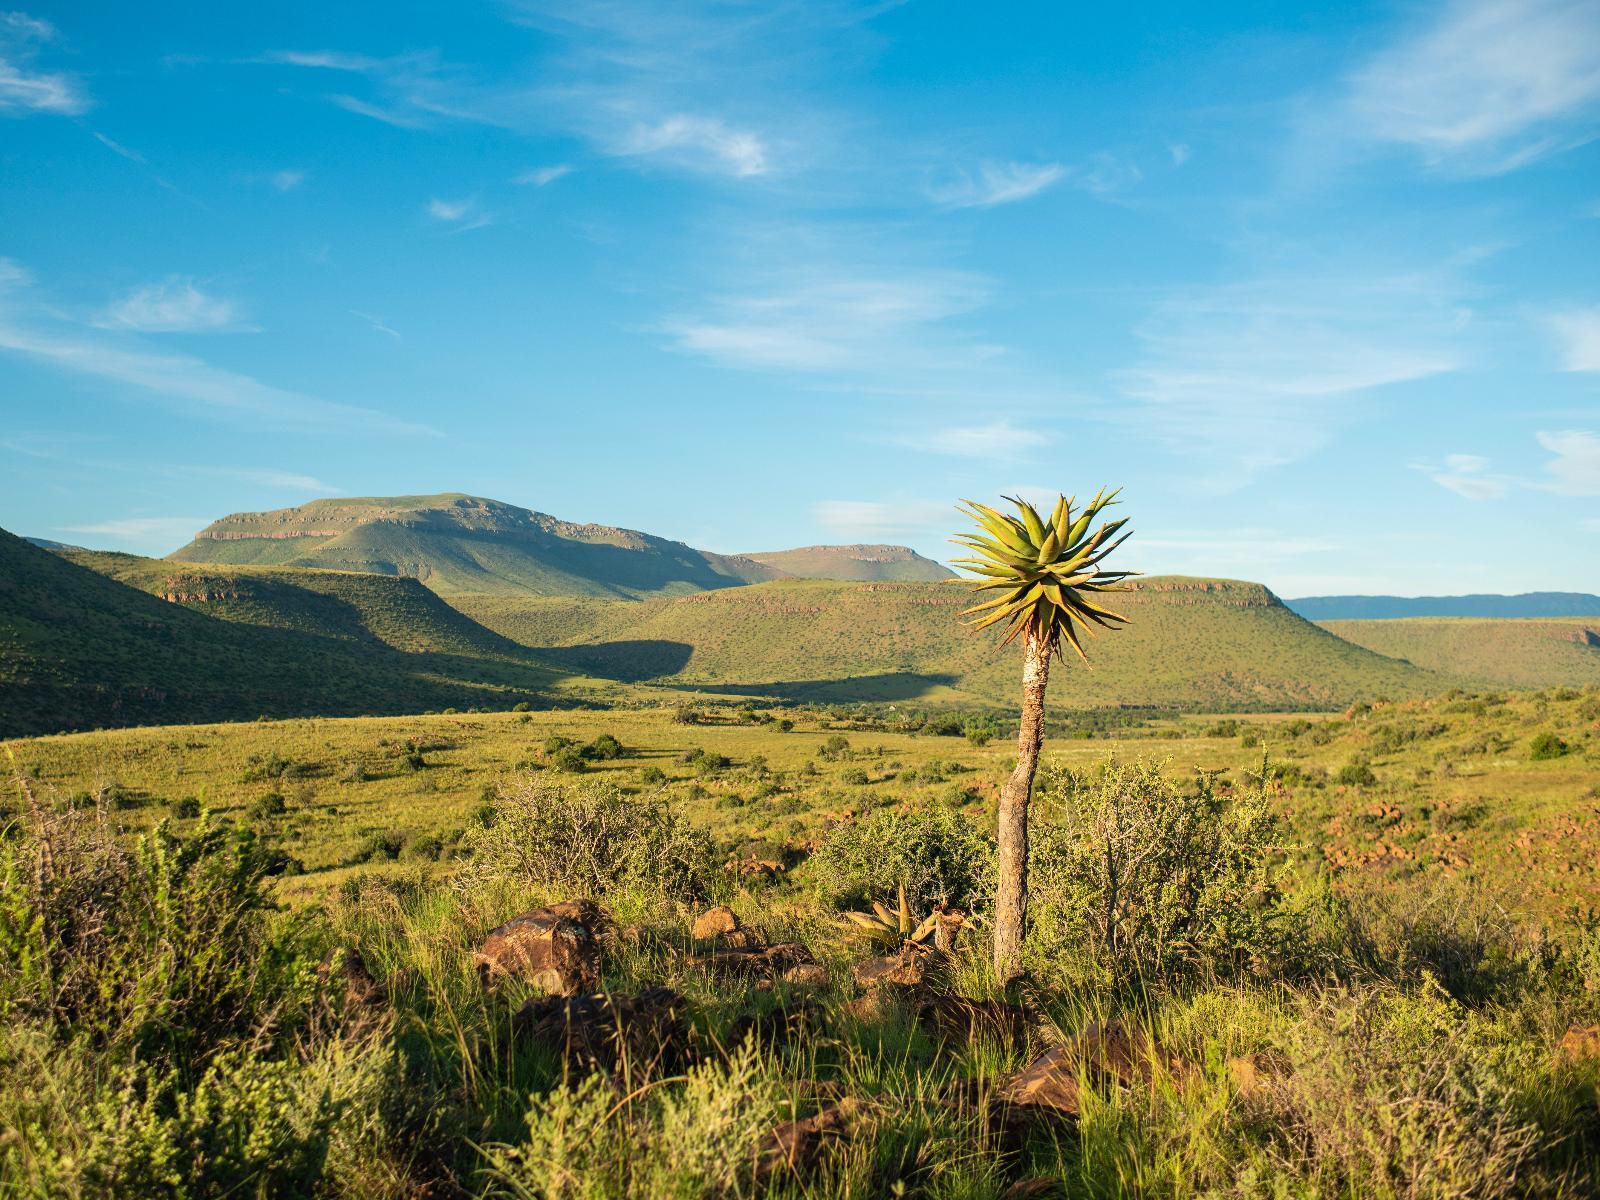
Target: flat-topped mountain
[[899, 564], [455, 543], [1368, 608]]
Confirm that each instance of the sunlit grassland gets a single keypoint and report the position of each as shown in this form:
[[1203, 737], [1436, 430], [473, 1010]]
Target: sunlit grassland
[[1445, 788]]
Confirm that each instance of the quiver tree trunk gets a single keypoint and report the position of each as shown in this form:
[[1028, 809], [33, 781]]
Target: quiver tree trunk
[[1011, 895]]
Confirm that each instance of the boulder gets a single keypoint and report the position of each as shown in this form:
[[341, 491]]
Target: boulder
[[715, 923], [760, 962], [806, 975], [906, 967], [796, 1146], [646, 1031], [1580, 1042], [1049, 1084], [556, 949]]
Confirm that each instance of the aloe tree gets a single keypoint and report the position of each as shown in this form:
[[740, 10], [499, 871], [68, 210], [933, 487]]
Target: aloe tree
[[1047, 574]]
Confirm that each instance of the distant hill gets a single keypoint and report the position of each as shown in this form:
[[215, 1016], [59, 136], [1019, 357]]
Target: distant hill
[[47, 544], [80, 649], [887, 563], [1193, 643], [1366, 608], [465, 544], [1530, 653]]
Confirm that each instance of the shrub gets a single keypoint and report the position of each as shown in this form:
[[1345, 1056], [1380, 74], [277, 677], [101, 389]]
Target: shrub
[[785, 725], [686, 715], [837, 746], [1356, 773], [1547, 746], [521, 706], [855, 776], [603, 747], [555, 744], [652, 775], [1138, 877], [264, 808], [938, 855], [570, 759], [186, 809], [586, 839]]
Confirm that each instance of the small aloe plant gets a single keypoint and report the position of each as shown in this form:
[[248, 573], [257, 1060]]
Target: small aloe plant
[[898, 921]]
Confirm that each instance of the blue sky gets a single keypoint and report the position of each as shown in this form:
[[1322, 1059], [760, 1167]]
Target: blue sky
[[1318, 285]]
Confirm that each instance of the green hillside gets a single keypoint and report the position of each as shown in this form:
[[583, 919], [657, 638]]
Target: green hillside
[[455, 543], [1534, 652], [79, 649], [1193, 643], [899, 564]]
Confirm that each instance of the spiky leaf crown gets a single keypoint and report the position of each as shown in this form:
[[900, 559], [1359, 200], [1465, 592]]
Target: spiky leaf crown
[[1047, 571]]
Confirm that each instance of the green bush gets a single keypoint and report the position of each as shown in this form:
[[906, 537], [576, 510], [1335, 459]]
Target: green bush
[[556, 743], [1356, 773], [186, 809], [938, 855], [586, 839], [604, 747], [1135, 877], [1547, 746], [570, 759], [264, 808], [855, 776]]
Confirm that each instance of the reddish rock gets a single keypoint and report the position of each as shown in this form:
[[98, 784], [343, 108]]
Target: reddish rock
[[807, 975], [906, 967], [797, 1146], [1049, 1084], [645, 1031], [1580, 1043], [764, 962], [556, 949], [715, 923]]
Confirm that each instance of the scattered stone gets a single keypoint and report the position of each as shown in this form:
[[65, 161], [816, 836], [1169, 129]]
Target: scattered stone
[[764, 962], [715, 923], [906, 967], [555, 949], [1035, 1189], [796, 1146], [957, 1018], [807, 975], [1580, 1043], [1049, 1084], [646, 1030]]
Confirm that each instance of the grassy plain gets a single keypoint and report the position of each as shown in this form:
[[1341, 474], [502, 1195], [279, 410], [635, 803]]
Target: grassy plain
[[1502, 651], [1440, 789]]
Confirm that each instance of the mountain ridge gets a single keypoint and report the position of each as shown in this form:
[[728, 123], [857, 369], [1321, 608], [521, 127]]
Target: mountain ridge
[[1481, 604]]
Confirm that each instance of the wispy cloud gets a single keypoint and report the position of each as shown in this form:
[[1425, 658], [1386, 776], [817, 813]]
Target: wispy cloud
[[1579, 334], [166, 531], [699, 141], [120, 150], [996, 440], [377, 325], [1468, 476], [1180, 153], [1255, 375], [997, 183], [24, 88], [286, 180], [36, 331], [175, 305], [1485, 86], [1575, 469], [542, 176], [266, 477], [873, 520], [461, 214]]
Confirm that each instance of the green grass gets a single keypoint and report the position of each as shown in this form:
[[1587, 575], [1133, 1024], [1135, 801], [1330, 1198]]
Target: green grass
[[1454, 794], [895, 564], [1533, 652], [1193, 643]]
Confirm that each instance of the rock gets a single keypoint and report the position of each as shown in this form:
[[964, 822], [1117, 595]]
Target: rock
[[765, 962], [715, 923], [959, 1019], [1580, 1043], [1036, 1188], [1049, 1084], [807, 975], [906, 967], [796, 1146], [600, 1032], [1246, 1074], [555, 949]]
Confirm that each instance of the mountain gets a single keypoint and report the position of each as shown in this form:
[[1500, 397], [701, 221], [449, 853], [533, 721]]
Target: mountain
[[47, 544], [1207, 644], [1526, 653], [899, 564], [80, 649], [465, 544], [1366, 608]]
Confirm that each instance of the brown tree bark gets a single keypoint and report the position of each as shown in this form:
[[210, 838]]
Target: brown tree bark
[[1011, 895]]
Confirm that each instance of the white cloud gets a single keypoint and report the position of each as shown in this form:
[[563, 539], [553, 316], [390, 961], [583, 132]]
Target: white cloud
[[998, 183], [377, 325], [819, 320], [1250, 376], [873, 520], [1592, 524], [172, 306], [287, 180], [463, 214], [24, 89], [172, 531], [1486, 86], [997, 440], [1468, 476], [119, 149], [1575, 469], [1579, 333], [699, 140], [35, 330], [266, 477], [540, 176], [1180, 153]]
